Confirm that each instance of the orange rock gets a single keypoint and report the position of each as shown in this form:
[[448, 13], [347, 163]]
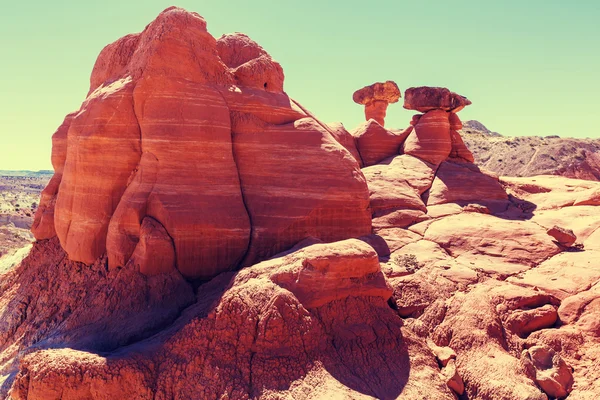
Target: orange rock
[[155, 138], [319, 314], [375, 143], [345, 138], [331, 272], [425, 98], [548, 370], [492, 244], [202, 209], [376, 98], [430, 141], [154, 253], [565, 237], [453, 379], [590, 197], [582, 310], [523, 322], [563, 275], [459, 149], [43, 223], [465, 182], [291, 198], [103, 148]]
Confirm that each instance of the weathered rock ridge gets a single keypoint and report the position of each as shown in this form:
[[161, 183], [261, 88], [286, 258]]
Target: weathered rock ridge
[[205, 236]]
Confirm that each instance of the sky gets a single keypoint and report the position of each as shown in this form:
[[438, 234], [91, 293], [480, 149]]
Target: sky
[[529, 67]]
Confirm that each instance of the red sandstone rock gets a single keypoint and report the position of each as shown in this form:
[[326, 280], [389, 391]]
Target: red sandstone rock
[[459, 149], [453, 379], [430, 141], [375, 143], [291, 198], [103, 148], [154, 253], [582, 310], [322, 320], [376, 98], [270, 329], [183, 97], [237, 49], [43, 224], [563, 275], [425, 98], [590, 197], [331, 272], [398, 184], [345, 138], [492, 244], [548, 370], [523, 322], [565, 237], [463, 183]]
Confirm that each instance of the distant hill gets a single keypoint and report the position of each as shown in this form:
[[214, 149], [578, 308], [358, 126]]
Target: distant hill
[[41, 173], [533, 155]]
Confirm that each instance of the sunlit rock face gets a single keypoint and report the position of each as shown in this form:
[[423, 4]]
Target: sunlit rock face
[[196, 134]]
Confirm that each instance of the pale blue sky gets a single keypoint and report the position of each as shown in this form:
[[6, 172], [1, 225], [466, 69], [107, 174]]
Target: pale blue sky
[[530, 68]]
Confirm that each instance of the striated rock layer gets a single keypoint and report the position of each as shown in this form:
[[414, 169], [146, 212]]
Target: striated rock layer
[[176, 128]]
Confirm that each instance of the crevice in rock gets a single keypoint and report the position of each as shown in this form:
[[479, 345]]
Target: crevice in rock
[[243, 195]]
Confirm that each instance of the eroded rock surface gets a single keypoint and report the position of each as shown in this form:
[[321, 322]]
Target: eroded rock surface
[[458, 283]]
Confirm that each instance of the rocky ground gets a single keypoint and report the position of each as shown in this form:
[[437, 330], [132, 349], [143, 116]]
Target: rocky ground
[[19, 198], [533, 155], [298, 260]]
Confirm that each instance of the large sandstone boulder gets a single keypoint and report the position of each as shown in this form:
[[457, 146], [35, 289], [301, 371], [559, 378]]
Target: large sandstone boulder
[[376, 98], [430, 141], [43, 224], [196, 134], [375, 143]]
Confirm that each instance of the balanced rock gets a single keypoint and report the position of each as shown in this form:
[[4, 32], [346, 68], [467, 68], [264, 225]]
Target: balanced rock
[[565, 237], [425, 98], [376, 98], [548, 370]]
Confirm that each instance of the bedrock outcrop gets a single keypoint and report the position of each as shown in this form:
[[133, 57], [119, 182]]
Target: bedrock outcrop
[[195, 133], [245, 254]]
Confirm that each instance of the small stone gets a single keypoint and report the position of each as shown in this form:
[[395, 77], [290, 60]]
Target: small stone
[[453, 379], [563, 236], [548, 370]]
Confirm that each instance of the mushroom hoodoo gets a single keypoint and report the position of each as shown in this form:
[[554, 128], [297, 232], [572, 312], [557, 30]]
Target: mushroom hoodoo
[[435, 137], [376, 98]]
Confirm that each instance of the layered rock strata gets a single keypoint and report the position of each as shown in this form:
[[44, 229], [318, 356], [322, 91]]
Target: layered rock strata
[[175, 129]]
